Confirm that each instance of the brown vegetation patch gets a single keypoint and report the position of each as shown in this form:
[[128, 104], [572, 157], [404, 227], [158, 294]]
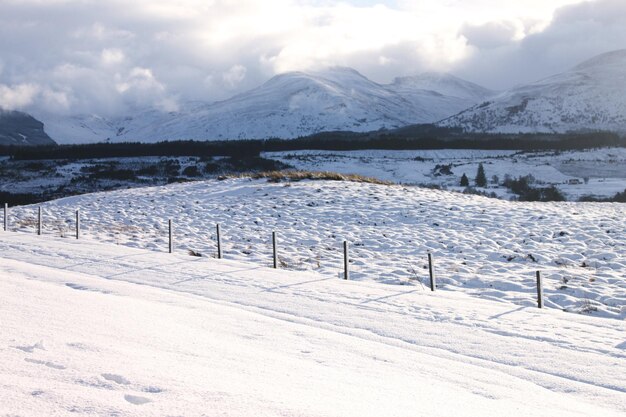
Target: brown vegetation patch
[[279, 176]]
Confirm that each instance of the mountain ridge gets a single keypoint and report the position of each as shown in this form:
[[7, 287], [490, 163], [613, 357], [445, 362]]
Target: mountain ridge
[[590, 96], [286, 106]]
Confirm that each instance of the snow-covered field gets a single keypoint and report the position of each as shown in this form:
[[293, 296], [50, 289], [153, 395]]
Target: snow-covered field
[[484, 247], [596, 172], [99, 329], [604, 168]]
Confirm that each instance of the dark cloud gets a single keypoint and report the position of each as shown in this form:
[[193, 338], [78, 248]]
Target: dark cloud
[[576, 33]]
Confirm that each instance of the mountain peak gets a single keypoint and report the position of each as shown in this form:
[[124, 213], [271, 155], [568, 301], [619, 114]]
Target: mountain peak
[[607, 59], [591, 96], [339, 70], [335, 74], [443, 83], [427, 76]]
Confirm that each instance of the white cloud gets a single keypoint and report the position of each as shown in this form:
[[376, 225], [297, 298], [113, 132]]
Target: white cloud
[[493, 34], [112, 56], [55, 101], [17, 96], [234, 75], [576, 33], [96, 58]]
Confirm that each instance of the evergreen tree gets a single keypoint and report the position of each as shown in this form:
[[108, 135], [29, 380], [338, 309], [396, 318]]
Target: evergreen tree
[[464, 181], [481, 178]]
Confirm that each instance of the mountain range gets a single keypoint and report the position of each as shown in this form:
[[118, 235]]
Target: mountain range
[[589, 97], [287, 106]]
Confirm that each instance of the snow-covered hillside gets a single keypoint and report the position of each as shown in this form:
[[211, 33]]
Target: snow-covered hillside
[[484, 247], [21, 129], [443, 84], [591, 96], [287, 106], [97, 329]]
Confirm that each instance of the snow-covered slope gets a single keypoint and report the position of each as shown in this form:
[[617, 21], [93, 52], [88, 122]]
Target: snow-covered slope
[[94, 329], [21, 129], [436, 94], [591, 96], [600, 172], [287, 106], [441, 83], [485, 247], [79, 128]]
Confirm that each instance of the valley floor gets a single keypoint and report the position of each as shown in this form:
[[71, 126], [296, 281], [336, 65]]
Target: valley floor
[[593, 172], [100, 329]]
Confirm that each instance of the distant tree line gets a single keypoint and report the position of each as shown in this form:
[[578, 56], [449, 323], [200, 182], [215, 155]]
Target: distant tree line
[[21, 199], [420, 137], [526, 192], [619, 197]]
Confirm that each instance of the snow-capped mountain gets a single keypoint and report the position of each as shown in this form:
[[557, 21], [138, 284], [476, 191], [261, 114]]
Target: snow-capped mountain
[[84, 128], [590, 96], [442, 83], [18, 128], [436, 94], [287, 106]]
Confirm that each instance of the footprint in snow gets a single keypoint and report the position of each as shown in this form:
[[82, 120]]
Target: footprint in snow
[[31, 349], [81, 347], [48, 364], [135, 399], [85, 288], [119, 379]]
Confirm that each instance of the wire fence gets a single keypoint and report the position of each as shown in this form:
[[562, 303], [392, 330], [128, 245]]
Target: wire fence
[[341, 260]]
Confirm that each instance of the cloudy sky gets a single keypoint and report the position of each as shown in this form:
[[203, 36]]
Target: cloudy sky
[[107, 56]]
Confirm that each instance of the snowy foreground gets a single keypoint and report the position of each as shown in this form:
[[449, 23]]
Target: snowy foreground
[[484, 247], [99, 329]]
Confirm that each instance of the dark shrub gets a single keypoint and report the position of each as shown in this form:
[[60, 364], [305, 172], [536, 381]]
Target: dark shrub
[[191, 171], [150, 170]]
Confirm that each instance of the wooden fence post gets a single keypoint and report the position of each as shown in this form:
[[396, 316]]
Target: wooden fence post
[[274, 250], [219, 243], [171, 243], [6, 217], [77, 224], [539, 290], [39, 226], [346, 261], [431, 272]]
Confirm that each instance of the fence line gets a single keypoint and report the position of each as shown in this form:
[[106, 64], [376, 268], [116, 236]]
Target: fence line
[[219, 242], [346, 256], [39, 223], [346, 261], [274, 252], [431, 272]]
